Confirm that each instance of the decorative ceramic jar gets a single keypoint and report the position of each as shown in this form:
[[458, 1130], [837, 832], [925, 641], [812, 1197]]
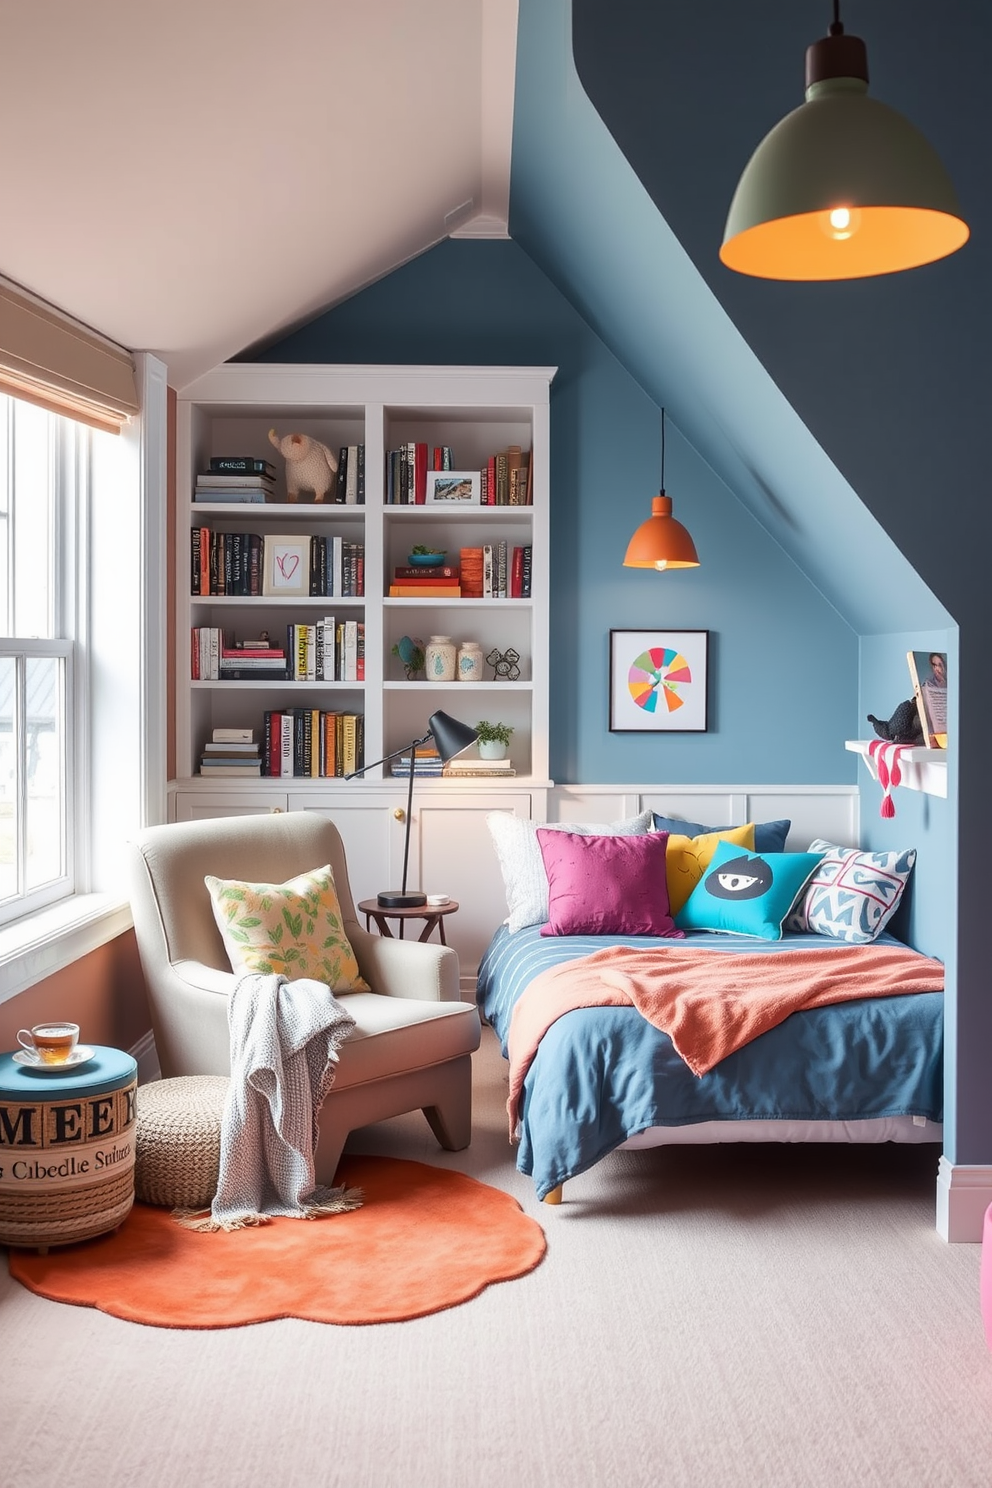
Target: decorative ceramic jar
[[441, 659], [470, 662]]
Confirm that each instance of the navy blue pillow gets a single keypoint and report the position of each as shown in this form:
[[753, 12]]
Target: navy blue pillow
[[768, 836]]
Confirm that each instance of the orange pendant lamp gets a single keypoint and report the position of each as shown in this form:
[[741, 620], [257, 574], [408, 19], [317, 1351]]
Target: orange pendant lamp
[[843, 187], [661, 542]]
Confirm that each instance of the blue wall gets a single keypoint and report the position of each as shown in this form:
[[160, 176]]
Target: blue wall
[[783, 664]]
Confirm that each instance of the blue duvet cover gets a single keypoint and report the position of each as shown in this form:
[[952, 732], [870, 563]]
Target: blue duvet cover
[[602, 1075]]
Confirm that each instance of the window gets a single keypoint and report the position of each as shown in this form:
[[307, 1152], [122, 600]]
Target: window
[[44, 460]]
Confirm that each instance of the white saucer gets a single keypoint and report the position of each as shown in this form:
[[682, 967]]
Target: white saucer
[[81, 1054], [438, 899]]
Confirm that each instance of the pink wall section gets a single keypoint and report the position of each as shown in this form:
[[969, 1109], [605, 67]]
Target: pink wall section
[[104, 992]]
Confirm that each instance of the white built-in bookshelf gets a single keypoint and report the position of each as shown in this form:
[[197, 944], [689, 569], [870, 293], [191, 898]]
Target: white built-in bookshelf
[[475, 411]]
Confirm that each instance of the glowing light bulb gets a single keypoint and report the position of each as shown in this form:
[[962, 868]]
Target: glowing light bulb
[[841, 223]]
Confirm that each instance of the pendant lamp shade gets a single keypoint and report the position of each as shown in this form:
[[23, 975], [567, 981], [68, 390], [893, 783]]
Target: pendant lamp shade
[[661, 542], [842, 188]]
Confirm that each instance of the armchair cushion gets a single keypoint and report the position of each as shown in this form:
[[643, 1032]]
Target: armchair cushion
[[295, 928]]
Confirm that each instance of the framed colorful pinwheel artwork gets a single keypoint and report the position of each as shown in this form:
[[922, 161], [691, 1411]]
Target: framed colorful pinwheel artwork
[[658, 681]]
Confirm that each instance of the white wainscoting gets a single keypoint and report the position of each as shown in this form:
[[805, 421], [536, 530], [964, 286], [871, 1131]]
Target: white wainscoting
[[828, 811]]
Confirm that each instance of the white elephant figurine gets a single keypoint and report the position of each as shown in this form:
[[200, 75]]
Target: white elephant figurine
[[310, 465]]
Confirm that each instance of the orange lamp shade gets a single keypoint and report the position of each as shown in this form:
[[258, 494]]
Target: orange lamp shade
[[661, 542]]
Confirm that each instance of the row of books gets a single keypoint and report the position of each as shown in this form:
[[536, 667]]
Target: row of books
[[216, 657], [231, 752], [504, 572], [245, 478], [506, 478], [349, 487], [406, 471], [328, 650], [246, 564], [311, 743]]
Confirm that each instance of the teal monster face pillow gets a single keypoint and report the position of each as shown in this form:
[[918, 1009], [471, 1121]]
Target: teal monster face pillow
[[747, 893]]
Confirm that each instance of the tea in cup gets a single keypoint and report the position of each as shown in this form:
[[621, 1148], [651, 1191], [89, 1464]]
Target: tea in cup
[[52, 1042]]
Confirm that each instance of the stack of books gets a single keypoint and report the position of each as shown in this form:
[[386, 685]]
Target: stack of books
[[236, 478], [426, 761], [251, 661], [231, 751], [467, 767], [471, 572], [443, 581]]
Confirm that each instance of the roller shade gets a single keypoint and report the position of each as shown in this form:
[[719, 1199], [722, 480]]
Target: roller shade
[[53, 361]]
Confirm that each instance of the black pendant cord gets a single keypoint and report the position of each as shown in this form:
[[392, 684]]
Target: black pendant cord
[[662, 452], [837, 29]]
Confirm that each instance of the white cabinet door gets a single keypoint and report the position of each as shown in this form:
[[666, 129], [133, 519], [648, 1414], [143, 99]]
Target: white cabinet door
[[371, 832], [455, 856], [200, 805]]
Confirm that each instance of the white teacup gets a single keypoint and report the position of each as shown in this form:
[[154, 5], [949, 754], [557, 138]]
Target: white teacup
[[52, 1042]]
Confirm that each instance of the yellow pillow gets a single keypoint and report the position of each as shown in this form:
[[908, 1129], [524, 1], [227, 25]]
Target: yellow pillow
[[687, 858], [293, 928]]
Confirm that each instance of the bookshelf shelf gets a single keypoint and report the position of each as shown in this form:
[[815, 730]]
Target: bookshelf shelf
[[922, 769]]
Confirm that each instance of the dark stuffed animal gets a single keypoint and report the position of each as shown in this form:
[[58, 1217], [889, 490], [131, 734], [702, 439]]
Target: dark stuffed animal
[[903, 727]]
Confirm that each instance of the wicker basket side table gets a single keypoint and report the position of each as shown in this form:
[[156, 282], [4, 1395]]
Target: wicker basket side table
[[178, 1140], [66, 1149]]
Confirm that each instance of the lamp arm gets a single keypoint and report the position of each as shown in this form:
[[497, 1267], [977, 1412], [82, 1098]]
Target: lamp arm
[[415, 744]]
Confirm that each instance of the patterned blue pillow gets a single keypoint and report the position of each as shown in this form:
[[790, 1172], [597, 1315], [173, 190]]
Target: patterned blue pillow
[[852, 895], [745, 893], [769, 836]]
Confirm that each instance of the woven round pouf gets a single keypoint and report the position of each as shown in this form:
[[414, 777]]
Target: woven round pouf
[[177, 1141]]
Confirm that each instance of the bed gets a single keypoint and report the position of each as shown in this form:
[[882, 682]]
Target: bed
[[602, 1077]]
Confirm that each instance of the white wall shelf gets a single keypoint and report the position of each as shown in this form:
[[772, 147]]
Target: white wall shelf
[[922, 769]]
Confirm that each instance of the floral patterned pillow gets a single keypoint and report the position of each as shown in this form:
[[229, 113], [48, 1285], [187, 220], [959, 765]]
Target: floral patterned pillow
[[294, 928]]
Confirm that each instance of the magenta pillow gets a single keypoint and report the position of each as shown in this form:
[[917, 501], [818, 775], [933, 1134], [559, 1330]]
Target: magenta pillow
[[606, 885]]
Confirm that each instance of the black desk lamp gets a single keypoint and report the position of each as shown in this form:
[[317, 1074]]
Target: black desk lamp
[[451, 737]]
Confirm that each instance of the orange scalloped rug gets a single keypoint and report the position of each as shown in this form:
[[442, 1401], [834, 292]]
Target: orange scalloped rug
[[424, 1239]]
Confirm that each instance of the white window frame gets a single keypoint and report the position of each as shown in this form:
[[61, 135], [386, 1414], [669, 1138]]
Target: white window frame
[[118, 677]]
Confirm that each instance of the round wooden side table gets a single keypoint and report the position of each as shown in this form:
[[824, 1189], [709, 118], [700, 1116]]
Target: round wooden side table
[[66, 1149], [433, 914]]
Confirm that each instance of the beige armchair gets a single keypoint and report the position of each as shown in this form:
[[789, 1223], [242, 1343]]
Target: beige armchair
[[414, 1039]]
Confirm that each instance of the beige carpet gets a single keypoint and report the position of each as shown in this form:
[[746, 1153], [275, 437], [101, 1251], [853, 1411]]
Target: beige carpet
[[756, 1317]]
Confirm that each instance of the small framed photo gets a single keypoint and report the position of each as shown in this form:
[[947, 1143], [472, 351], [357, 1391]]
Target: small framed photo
[[286, 566], [658, 681], [454, 487]]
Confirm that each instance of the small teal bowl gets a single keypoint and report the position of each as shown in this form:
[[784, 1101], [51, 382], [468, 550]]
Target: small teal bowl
[[426, 560]]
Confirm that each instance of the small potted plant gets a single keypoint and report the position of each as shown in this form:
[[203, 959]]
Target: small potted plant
[[494, 738], [424, 557]]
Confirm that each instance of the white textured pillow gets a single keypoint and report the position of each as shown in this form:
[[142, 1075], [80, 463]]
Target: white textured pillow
[[519, 853]]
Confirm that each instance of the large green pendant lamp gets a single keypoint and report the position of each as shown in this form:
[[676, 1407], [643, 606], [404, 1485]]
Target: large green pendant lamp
[[843, 187], [661, 542]]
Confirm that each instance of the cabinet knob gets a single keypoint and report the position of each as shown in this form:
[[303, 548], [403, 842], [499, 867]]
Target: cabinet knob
[[399, 814], [275, 811]]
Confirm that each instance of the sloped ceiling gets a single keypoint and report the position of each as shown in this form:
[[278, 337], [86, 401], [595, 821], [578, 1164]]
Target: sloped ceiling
[[581, 211], [191, 179]]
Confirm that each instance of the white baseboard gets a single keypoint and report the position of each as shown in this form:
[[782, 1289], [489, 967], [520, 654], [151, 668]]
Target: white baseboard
[[145, 1053], [964, 1193]]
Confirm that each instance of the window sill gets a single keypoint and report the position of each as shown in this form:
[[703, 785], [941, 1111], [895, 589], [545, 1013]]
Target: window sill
[[42, 944]]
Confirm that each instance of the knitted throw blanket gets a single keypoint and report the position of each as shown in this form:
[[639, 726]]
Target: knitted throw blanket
[[285, 1037]]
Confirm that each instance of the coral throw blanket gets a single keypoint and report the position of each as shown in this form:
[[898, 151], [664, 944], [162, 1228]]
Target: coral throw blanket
[[710, 1003]]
